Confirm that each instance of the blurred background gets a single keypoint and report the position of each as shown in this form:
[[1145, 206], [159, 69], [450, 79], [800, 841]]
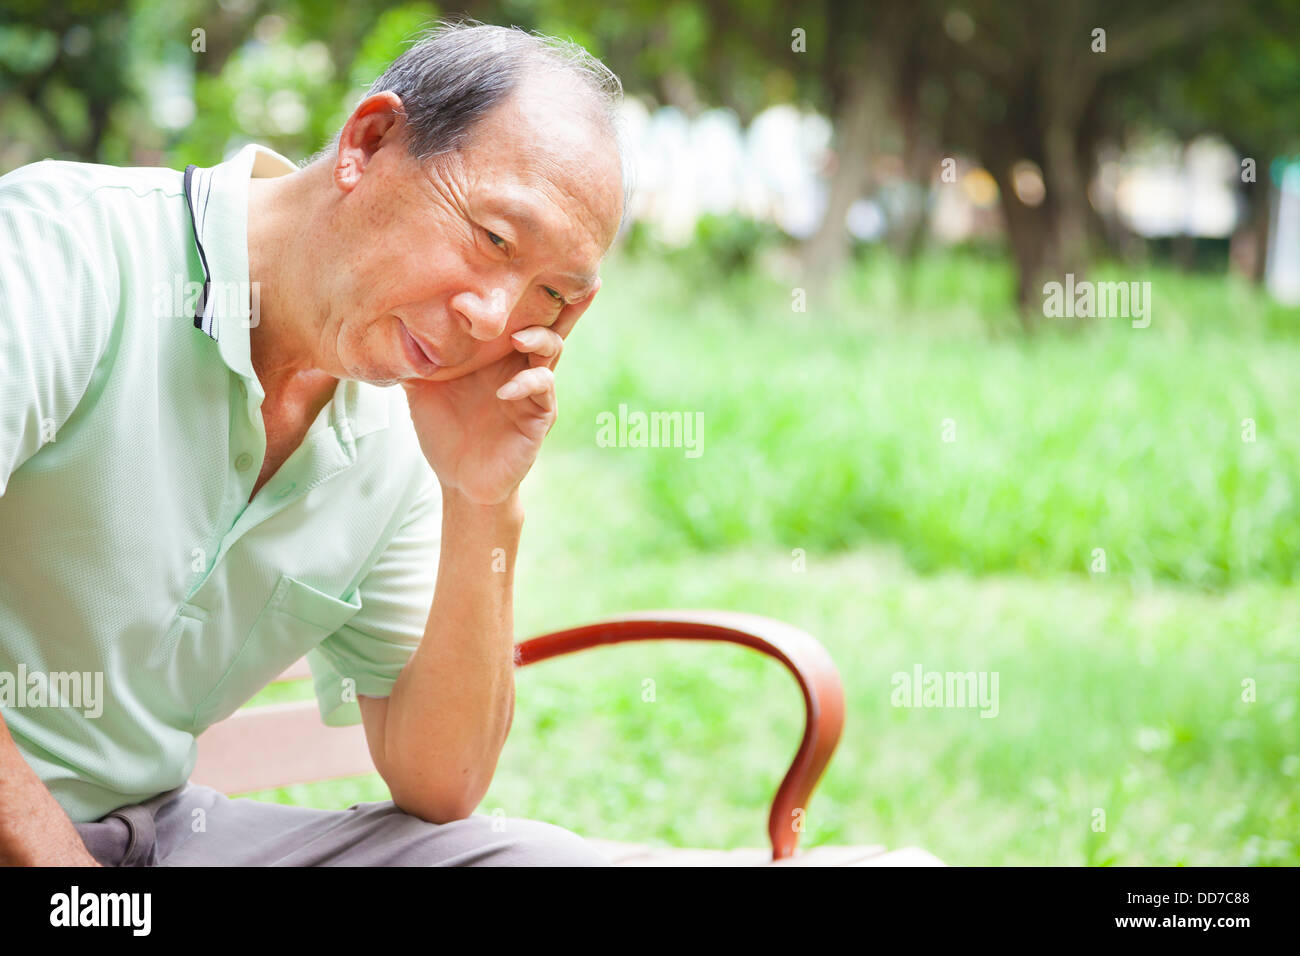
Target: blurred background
[[844, 219]]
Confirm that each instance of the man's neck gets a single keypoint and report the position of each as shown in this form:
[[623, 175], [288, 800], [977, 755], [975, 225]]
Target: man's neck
[[283, 343]]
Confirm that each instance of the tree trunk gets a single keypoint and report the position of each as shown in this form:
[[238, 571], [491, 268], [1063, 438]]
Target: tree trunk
[[826, 250], [1248, 248], [1034, 235], [920, 159]]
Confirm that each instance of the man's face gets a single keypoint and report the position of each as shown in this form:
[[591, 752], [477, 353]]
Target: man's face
[[446, 260]]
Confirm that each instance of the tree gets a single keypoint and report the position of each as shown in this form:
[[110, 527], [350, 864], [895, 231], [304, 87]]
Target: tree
[[1042, 83]]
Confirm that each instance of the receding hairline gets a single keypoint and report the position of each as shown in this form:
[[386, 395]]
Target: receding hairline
[[507, 59]]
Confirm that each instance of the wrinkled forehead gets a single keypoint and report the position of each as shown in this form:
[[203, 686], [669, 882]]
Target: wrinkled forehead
[[537, 150], [583, 189]]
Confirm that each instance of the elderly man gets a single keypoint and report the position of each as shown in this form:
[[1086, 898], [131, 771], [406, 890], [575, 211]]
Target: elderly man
[[197, 490]]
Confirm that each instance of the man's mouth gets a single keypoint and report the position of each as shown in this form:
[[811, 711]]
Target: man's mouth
[[421, 355]]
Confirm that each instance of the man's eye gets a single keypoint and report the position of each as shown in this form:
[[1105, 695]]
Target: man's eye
[[497, 240], [553, 294]]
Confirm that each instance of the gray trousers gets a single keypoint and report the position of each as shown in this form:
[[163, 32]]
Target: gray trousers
[[198, 826]]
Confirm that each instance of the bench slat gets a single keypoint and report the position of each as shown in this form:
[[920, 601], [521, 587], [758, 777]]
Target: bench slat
[[642, 854], [906, 856], [276, 746], [298, 670], [833, 856]]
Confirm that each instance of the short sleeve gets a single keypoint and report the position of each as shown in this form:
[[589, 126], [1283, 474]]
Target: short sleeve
[[396, 595], [55, 324]]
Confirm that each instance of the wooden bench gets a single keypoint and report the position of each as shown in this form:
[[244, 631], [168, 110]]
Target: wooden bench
[[282, 744]]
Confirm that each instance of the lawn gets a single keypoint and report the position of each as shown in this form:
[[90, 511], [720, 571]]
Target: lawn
[[903, 474]]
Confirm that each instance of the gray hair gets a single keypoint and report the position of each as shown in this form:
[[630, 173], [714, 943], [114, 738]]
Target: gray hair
[[458, 71]]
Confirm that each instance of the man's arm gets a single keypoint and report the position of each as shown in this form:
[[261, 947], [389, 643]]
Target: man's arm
[[34, 830], [437, 738]]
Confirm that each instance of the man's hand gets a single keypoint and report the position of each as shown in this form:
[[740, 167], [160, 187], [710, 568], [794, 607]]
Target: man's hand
[[481, 433]]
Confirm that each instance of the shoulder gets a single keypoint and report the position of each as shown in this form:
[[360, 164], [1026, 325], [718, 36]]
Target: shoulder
[[89, 214], [63, 188]]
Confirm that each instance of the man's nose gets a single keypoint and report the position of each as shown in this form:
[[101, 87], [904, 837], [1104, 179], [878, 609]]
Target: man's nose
[[485, 314]]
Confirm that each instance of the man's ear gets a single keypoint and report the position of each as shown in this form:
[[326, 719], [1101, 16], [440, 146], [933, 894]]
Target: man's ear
[[377, 121]]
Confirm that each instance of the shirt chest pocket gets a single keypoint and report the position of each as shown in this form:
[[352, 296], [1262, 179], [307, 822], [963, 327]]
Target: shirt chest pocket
[[296, 619]]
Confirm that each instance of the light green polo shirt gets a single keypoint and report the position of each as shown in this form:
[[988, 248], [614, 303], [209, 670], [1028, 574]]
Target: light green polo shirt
[[130, 440]]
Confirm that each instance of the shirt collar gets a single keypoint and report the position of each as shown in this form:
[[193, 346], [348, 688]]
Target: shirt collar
[[218, 203]]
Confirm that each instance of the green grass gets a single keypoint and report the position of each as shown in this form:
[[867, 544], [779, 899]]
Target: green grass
[[822, 431], [1120, 691]]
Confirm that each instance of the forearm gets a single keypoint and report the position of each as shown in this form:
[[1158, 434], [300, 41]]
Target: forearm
[[449, 712], [34, 830]]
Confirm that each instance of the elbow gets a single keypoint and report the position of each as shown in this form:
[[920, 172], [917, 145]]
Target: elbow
[[436, 803], [442, 785], [434, 808]]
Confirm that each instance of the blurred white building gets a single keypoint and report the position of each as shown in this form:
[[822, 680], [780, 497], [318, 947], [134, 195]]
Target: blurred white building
[[683, 167]]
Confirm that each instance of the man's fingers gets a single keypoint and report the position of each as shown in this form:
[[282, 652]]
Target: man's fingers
[[543, 345], [537, 383]]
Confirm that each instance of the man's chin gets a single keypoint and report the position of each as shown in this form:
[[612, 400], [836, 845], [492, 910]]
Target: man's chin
[[441, 375], [380, 377]]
